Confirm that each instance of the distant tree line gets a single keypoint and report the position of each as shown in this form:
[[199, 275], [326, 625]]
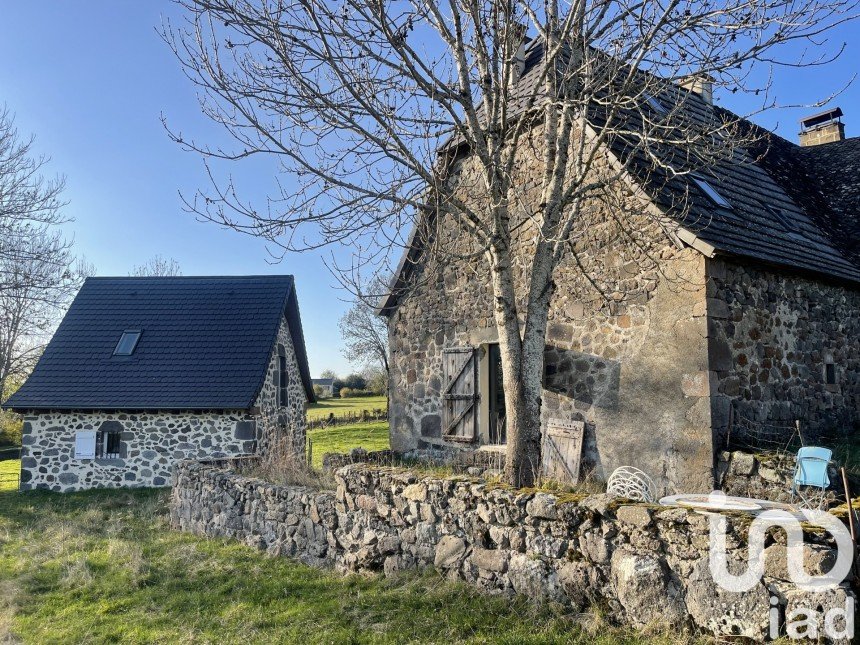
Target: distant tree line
[[370, 382]]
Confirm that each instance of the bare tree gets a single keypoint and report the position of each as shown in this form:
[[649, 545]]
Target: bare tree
[[372, 110], [157, 266], [38, 273], [364, 333]]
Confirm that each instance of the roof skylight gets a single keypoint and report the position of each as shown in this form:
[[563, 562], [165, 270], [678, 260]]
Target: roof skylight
[[655, 103], [711, 192], [127, 343], [781, 218]]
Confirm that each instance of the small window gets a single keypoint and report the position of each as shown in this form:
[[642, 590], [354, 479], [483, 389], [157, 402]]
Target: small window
[[108, 444], [127, 343], [711, 192], [283, 377], [655, 103], [830, 373], [780, 217]]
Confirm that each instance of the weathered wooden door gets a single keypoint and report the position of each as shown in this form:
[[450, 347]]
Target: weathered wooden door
[[562, 450], [460, 395]]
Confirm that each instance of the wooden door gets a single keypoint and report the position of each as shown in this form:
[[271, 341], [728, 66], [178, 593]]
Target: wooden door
[[460, 395], [562, 450]]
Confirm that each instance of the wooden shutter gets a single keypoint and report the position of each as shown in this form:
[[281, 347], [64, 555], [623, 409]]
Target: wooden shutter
[[460, 394], [562, 450]]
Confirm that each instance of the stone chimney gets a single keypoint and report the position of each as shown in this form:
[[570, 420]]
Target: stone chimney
[[701, 84], [824, 127], [519, 62]]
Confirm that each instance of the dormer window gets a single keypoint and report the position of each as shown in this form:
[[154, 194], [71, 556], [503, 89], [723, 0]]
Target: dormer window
[[127, 343], [711, 192]]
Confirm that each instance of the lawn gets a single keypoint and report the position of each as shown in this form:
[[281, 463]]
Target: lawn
[[323, 407], [9, 470], [370, 436], [103, 566]]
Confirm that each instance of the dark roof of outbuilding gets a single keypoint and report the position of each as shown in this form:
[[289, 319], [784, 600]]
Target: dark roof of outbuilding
[[815, 192], [323, 381], [205, 344]]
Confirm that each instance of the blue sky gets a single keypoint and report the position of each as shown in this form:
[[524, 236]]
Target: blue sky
[[91, 78]]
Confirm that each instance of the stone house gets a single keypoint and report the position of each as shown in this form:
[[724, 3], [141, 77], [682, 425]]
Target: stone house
[[326, 385], [144, 372], [746, 303]]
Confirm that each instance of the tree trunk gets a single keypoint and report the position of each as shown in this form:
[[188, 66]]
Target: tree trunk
[[522, 418], [522, 354], [522, 370]]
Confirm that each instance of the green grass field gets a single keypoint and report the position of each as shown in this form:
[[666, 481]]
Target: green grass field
[[370, 436], [9, 471], [104, 566], [323, 407]]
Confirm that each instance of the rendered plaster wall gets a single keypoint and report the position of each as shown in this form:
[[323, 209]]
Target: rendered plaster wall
[[770, 337], [153, 441], [626, 349]]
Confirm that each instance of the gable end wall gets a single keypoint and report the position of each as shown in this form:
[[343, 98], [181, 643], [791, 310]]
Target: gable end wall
[[631, 362]]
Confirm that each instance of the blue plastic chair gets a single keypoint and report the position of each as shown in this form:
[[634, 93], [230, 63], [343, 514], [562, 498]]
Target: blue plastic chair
[[811, 471]]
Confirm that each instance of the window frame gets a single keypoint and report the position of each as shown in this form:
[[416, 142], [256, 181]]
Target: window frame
[[283, 378], [137, 333], [830, 375], [105, 439], [655, 103], [713, 195], [778, 214]]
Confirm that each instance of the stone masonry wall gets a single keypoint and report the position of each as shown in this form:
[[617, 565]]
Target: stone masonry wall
[[645, 565], [276, 421], [153, 441], [625, 340], [770, 336]]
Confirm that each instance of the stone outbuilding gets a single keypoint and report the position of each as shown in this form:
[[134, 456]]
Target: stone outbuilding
[[746, 304], [144, 372]]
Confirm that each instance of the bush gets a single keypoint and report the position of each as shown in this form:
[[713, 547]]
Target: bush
[[350, 393], [320, 392], [10, 429]]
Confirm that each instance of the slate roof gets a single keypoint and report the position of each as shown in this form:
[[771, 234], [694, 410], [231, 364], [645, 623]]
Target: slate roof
[[792, 207], [205, 345], [323, 381]]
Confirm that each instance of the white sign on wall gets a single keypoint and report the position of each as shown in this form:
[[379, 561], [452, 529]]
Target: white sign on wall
[[85, 444]]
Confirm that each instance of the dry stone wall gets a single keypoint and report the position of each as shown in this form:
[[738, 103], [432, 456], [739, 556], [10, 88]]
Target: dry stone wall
[[649, 565], [151, 442]]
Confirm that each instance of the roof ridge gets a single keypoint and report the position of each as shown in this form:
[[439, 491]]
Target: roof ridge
[[134, 278]]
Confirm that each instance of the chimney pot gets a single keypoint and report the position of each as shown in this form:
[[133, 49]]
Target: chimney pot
[[823, 127]]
